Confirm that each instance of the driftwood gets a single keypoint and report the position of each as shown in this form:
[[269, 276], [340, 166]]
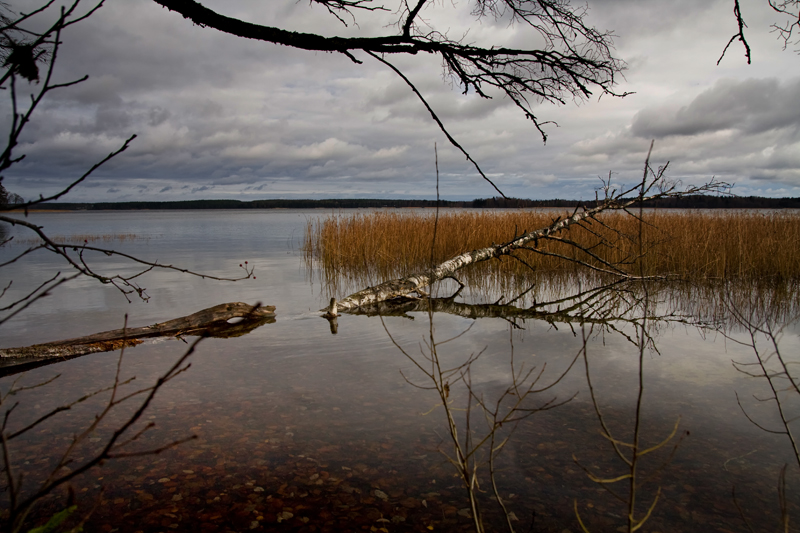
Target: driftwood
[[212, 322]]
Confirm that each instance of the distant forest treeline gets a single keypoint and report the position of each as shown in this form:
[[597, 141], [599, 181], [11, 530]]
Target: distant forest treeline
[[687, 202]]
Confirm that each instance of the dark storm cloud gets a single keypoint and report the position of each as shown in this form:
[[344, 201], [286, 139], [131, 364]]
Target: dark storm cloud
[[750, 106], [222, 116]]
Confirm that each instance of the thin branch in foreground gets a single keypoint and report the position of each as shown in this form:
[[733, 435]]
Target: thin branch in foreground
[[112, 449], [439, 123], [123, 283]]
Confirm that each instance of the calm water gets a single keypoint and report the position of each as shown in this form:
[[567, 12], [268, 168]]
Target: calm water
[[299, 429]]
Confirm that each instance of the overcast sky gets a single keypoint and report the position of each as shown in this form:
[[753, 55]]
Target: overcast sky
[[222, 117]]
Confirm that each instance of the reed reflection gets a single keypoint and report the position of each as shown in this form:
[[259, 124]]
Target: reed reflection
[[576, 299]]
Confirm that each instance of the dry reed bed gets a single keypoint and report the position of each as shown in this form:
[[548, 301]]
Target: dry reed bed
[[690, 245]]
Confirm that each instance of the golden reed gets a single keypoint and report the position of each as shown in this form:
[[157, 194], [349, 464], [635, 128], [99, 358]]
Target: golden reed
[[690, 245]]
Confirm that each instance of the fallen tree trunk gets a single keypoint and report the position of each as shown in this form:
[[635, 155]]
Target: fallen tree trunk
[[415, 282], [211, 322]]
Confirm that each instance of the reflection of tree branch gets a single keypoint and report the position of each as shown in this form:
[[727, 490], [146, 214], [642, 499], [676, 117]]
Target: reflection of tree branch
[[594, 307], [473, 447]]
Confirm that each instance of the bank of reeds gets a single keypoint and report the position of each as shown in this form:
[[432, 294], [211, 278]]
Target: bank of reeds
[[689, 245]]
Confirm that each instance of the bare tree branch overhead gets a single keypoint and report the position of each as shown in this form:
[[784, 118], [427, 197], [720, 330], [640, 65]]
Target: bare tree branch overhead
[[784, 28], [573, 60], [787, 28]]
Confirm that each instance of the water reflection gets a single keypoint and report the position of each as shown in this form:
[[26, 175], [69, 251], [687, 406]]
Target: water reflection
[[481, 422], [300, 430]]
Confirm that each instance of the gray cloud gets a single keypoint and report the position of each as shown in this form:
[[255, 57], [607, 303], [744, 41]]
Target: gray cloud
[[230, 118], [743, 132], [750, 106]]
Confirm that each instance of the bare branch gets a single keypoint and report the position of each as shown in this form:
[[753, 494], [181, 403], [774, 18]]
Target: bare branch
[[436, 119], [125, 284], [574, 60], [737, 11]]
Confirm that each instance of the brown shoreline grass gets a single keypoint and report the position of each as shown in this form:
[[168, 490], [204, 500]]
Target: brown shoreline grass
[[689, 245]]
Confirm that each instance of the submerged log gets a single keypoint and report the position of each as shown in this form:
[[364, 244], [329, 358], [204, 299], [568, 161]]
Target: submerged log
[[212, 322]]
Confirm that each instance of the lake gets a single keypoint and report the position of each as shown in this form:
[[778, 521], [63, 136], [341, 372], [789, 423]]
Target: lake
[[299, 429]]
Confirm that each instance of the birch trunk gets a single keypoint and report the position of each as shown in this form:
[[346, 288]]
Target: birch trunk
[[404, 286]]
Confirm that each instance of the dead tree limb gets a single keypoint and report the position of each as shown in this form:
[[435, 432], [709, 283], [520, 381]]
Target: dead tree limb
[[574, 59], [211, 322]]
